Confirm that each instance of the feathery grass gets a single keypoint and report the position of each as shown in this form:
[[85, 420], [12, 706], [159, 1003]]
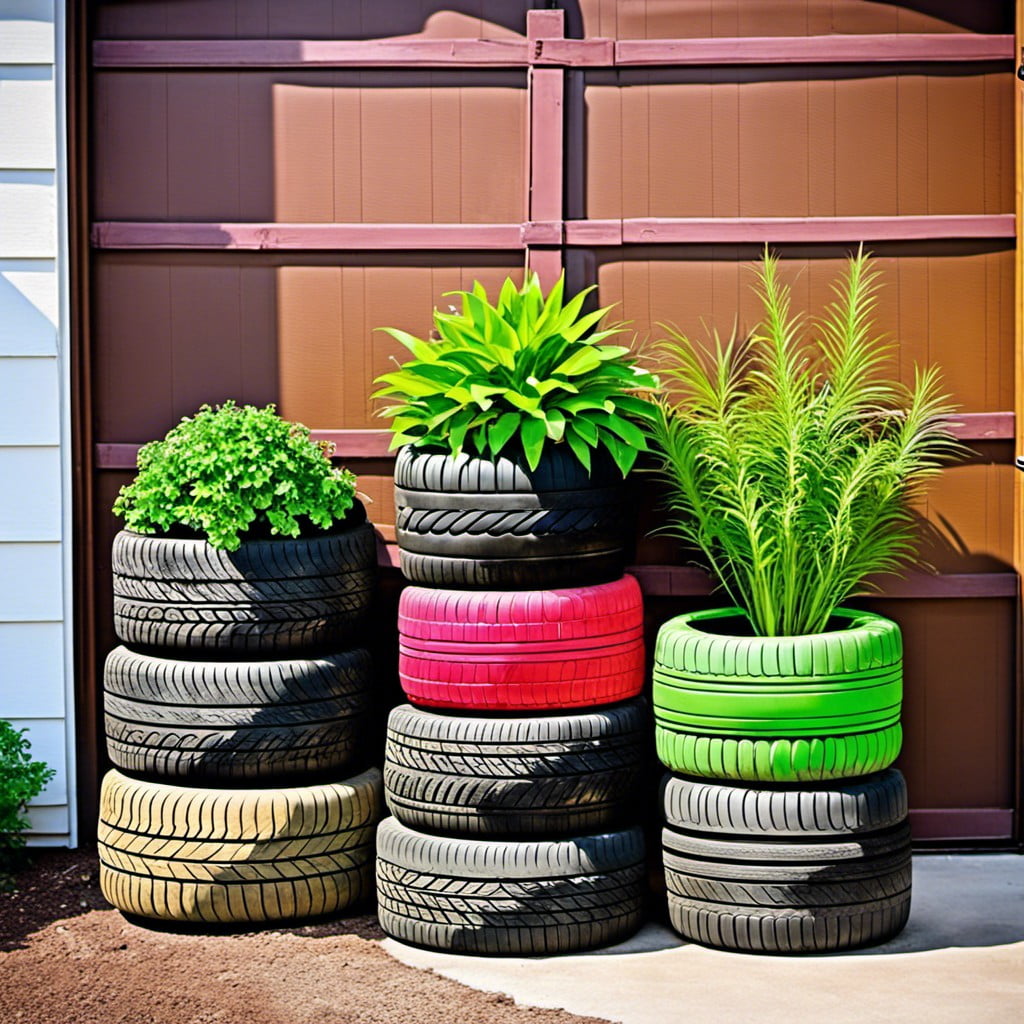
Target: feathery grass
[[793, 466]]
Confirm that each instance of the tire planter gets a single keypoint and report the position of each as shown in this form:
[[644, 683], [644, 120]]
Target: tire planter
[[236, 856], [508, 898], [471, 522], [521, 650], [557, 774], [780, 709], [786, 870], [269, 596], [234, 721]]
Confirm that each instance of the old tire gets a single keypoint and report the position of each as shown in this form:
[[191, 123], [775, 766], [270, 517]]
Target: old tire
[[217, 722], [542, 775], [236, 856], [813, 869], [522, 650], [508, 898], [269, 596], [467, 521], [777, 709]]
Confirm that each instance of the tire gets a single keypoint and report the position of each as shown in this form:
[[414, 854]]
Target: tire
[[508, 898], [236, 856], [777, 709], [814, 869], [217, 722], [565, 774], [522, 650], [269, 596], [467, 521]]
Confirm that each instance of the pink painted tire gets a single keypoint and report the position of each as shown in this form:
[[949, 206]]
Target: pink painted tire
[[522, 650]]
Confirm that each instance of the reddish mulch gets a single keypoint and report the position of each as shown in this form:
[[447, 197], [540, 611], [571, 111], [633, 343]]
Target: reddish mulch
[[66, 957]]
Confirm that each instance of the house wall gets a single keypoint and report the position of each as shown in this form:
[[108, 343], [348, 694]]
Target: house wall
[[35, 557]]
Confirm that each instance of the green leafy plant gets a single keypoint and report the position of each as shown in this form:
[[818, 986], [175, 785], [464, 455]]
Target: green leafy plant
[[792, 466], [21, 779], [231, 469], [518, 374]]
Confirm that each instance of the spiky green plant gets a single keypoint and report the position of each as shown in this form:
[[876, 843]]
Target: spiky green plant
[[793, 466], [517, 374]]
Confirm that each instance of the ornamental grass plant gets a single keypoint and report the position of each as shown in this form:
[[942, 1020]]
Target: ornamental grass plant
[[792, 463], [233, 470], [515, 375]]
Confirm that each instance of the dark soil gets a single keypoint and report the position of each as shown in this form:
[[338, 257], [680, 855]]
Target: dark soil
[[66, 957]]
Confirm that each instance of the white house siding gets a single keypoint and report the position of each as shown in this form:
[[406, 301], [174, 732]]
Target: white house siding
[[35, 564]]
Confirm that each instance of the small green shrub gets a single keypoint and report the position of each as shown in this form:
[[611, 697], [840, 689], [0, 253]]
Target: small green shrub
[[21, 779], [791, 467], [519, 374], [231, 469]]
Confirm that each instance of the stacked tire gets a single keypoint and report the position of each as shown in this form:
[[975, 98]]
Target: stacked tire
[[511, 773], [786, 830], [232, 708]]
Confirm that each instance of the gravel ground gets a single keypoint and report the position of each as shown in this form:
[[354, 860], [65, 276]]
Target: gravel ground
[[66, 957]]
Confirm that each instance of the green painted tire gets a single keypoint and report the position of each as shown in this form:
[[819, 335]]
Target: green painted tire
[[777, 709]]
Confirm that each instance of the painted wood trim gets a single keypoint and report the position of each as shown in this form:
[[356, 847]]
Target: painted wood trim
[[985, 426], [737, 230], [553, 51], [962, 823], [687, 581], [543, 230], [295, 237], [828, 49], [348, 444], [546, 169], [374, 444]]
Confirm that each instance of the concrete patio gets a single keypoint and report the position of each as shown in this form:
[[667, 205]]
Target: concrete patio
[[960, 960]]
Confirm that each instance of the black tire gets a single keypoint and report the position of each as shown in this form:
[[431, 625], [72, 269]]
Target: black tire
[[508, 898], [274, 595], [236, 856], [542, 775], [475, 522], [812, 869], [234, 721]]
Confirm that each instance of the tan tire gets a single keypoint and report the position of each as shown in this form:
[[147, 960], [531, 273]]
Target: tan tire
[[217, 856]]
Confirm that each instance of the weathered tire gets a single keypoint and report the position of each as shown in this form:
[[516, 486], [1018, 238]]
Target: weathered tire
[[522, 650], [782, 709], [236, 856], [275, 595], [508, 898], [475, 522], [234, 721], [789, 870], [542, 775]]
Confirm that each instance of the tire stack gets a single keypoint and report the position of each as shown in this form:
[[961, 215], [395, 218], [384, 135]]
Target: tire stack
[[510, 775], [232, 707], [786, 831]]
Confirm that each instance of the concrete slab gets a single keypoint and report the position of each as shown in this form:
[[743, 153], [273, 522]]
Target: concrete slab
[[959, 961]]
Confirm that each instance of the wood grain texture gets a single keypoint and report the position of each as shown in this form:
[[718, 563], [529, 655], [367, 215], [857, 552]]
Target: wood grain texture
[[789, 143]]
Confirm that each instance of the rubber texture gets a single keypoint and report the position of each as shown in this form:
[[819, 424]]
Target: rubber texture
[[813, 869], [509, 898], [467, 521], [234, 721], [273, 595], [777, 709], [542, 775], [522, 650], [226, 857]]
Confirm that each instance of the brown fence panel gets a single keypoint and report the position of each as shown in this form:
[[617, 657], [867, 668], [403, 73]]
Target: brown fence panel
[[272, 182]]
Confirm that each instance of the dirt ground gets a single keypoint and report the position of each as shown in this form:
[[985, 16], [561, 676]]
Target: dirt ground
[[66, 957]]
